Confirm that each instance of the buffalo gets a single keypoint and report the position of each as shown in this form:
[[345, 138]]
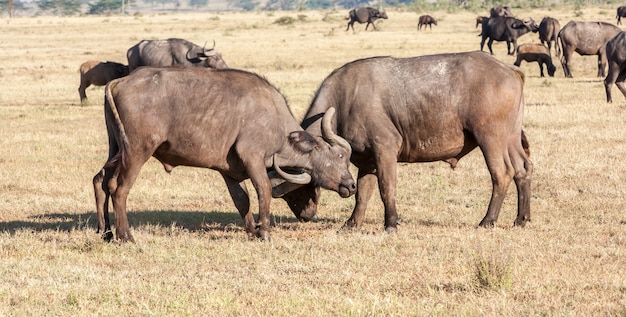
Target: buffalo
[[536, 53], [500, 11], [231, 121], [586, 38], [98, 73], [173, 52], [621, 12], [616, 56], [549, 32], [505, 29], [426, 20], [480, 20], [363, 15], [424, 109]]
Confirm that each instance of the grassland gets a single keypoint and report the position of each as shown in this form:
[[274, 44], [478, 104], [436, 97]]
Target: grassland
[[192, 257]]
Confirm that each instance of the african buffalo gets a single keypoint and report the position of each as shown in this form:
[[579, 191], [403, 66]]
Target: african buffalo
[[480, 20], [424, 109], [621, 12], [549, 31], [98, 73], [535, 53], [500, 11], [505, 29], [586, 38], [173, 52], [426, 20], [616, 56], [363, 15], [230, 121]]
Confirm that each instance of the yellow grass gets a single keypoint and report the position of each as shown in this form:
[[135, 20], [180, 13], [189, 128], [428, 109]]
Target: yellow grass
[[192, 256]]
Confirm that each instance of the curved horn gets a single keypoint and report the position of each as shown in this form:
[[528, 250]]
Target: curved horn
[[301, 179], [329, 135], [210, 51]]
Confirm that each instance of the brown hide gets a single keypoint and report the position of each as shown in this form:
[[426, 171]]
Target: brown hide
[[585, 38], [534, 52], [98, 74]]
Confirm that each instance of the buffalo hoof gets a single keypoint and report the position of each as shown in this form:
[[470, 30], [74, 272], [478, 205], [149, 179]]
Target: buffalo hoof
[[107, 236], [391, 230], [263, 235], [350, 225], [521, 222], [487, 223], [125, 236]]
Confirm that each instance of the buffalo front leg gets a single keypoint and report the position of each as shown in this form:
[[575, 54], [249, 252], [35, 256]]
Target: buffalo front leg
[[366, 182], [257, 171], [611, 78], [239, 193], [387, 170]]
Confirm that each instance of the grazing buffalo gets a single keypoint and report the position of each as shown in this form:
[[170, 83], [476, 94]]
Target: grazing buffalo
[[586, 38], [616, 56], [363, 15], [500, 11], [426, 20], [98, 74], [425, 109], [480, 20], [548, 32], [535, 53], [173, 52], [621, 12], [230, 121], [505, 29]]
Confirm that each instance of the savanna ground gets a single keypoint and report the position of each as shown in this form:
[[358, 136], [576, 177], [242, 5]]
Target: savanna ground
[[192, 256]]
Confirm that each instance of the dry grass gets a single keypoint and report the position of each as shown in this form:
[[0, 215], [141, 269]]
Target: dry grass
[[192, 257]]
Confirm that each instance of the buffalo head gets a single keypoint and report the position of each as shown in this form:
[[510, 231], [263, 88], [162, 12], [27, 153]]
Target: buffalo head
[[206, 57]]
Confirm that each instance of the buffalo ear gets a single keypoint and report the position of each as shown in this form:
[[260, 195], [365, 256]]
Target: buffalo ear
[[302, 141]]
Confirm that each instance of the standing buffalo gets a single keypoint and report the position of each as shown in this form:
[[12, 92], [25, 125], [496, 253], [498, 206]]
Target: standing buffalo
[[586, 38], [536, 53], [621, 12], [480, 20], [616, 56], [500, 11], [548, 32], [98, 74], [505, 29], [426, 20], [363, 15], [173, 52], [425, 109], [230, 121]]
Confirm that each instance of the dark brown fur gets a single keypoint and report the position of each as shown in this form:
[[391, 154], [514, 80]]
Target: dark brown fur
[[616, 57], [549, 29], [98, 74], [426, 20], [534, 52], [365, 15]]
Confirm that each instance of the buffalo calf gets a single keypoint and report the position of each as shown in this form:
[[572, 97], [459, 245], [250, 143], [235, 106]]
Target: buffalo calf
[[426, 20], [536, 53], [98, 74]]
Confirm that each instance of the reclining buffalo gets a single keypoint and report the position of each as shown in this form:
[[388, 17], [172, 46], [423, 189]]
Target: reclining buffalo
[[586, 38], [98, 74], [173, 52], [395, 110], [505, 29], [616, 56], [365, 15], [230, 121]]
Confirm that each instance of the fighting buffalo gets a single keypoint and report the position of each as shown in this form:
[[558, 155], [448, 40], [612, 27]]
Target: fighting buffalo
[[98, 74], [549, 32], [616, 56], [426, 20], [621, 12], [424, 109], [230, 121], [585, 38], [505, 29], [173, 52], [534, 52], [365, 15]]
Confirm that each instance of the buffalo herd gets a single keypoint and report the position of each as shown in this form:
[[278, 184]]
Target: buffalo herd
[[180, 103]]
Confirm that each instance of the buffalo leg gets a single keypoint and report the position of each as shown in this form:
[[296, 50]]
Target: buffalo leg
[[81, 91], [387, 170], [257, 171], [620, 82], [601, 64], [612, 77], [502, 172], [239, 193], [565, 62], [102, 195], [366, 182], [489, 45], [523, 175]]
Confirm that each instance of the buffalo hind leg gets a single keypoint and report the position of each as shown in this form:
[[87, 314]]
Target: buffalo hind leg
[[502, 172], [365, 188], [102, 195], [523, 175], [119, 186], [620, 82]]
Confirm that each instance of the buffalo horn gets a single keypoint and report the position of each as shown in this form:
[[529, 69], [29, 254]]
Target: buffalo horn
[[209, 52], [301, 179], [280, 186], [329, 135]]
